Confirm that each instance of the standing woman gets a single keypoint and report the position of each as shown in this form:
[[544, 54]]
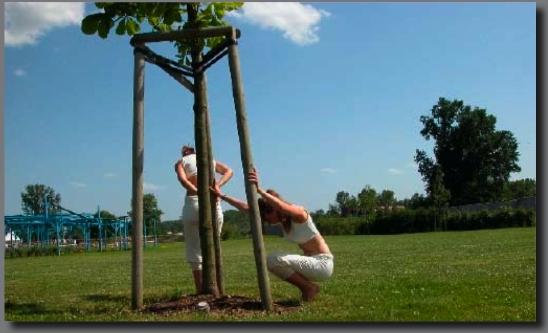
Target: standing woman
[[316, 262], [187, 174]]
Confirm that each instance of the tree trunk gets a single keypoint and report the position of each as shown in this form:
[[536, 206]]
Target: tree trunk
[[213, 200], [200, 132], [137, 182]]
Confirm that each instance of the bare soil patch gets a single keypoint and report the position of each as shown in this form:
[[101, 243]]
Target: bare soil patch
[[233, 305]]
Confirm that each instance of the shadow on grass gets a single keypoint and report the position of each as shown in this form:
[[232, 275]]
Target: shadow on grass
[[38, 309], [24, 308], [106, 298]]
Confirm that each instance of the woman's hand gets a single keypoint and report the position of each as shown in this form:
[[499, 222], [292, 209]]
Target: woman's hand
[[254, 178], [216, 189]]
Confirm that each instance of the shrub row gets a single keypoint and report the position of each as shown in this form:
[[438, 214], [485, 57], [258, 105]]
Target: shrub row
[[425, 220]]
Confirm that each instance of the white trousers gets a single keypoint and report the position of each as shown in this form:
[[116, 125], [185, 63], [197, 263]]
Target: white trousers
[[191, 229], [313, 268]]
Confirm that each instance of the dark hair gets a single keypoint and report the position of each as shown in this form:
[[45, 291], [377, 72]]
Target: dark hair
[[187, 150], [265, 208]]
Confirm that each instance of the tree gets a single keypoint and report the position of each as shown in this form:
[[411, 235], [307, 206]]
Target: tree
[[238, 221], [106, 218], [151, 212], [386, 199], [318, 214], [352, 206], [173, 226], [128, 18], [475, 159], [333, 211], [32, 200], [416, 201], [439, 196], [342, 200], [368, 199], [521, 188], [160, 17]]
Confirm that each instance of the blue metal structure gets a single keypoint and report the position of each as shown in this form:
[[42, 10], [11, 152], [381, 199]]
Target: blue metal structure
[[43, 226]]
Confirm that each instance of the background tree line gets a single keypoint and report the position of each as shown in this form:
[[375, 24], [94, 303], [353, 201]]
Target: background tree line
[[471, 163]]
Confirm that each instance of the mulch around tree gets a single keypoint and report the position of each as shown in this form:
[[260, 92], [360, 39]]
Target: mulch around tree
[[233, 305]]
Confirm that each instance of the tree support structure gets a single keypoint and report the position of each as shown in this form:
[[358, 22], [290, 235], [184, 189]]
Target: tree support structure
[[204, 146]]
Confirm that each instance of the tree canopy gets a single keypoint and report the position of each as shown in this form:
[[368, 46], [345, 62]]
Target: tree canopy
[[32, 200], [474, 158], [128, 18]]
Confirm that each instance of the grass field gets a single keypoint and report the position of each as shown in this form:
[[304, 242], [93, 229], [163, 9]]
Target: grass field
[[487, 275]]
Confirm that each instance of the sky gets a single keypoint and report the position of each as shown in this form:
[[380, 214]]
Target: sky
[[333, 93]]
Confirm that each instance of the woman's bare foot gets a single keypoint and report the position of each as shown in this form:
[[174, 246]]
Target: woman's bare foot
[[310, 294]]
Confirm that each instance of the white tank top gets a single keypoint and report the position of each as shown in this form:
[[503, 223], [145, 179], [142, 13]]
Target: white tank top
[[301, 232], [190, 165]]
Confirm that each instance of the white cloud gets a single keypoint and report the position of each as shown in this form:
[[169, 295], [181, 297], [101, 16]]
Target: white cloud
[[109, 175], [20, 72], [77, 184], [152, 187], [25, 22], [395, 171], [328, 170], [411, 165], [298, 22]]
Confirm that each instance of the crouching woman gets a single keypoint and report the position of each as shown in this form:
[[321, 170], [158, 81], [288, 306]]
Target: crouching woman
[[316, 262]]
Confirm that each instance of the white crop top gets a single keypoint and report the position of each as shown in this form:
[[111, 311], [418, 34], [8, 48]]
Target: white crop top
[[190, 165], [301, 232]]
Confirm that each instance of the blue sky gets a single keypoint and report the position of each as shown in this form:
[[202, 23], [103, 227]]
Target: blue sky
[[334, 93]]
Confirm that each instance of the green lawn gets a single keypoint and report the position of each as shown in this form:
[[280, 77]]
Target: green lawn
[[487, 275]]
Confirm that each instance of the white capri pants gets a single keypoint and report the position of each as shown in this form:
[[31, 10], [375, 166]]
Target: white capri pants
[[191, 229], [314, 268]]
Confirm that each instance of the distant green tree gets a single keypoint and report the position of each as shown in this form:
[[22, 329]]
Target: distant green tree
[[386, 199], [173, 226], [416, 201], [317, 214], [333, 210], [439, 196], [352, 206], [476, 160], [151, 212], [32, 200], [107, 218], [341, 199], [521, 188], [238, 221], [368, 199]]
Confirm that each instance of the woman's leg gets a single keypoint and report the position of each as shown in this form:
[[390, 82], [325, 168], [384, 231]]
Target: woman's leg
[[307, 288], [300, 271], [192, 240]]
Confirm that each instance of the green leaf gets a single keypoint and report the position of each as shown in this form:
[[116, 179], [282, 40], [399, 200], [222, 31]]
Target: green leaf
[[159, 10], [150, 9], [142, 8], [121, 29], [132, 27], [90, 23], [219, 10], [153, 21], [104, 27]]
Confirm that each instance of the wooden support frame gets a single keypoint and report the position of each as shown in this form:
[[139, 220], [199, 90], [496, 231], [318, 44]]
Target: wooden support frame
[[139, 40], [154, 37]]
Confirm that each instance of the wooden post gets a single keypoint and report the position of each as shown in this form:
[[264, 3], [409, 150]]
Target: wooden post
[[153, 37], [200, 133], [137, 184], [214, 217], [247, 163]]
